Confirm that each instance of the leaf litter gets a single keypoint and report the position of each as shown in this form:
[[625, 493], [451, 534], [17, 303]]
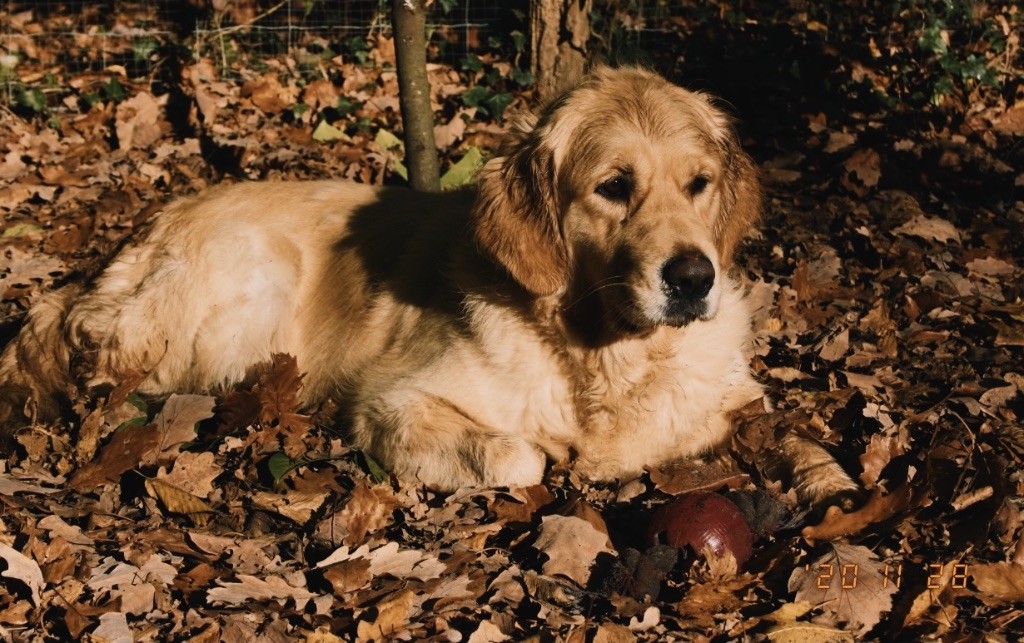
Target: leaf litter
[[889, 327]]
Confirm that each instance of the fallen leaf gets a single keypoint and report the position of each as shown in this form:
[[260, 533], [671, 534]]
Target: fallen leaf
[[571, 544], [612, 633], [839, 141], [464, 172], [177, 500], [989, 266], [327, 133], [177, 421], [1011, 121], [390, 560], [250, 588], [392, 618], [835, 347], [22, 568], [124, 451], [297, 506], [863, 170], [488, 632], [267, 94], [998, 583], [879, 507], [877, 454], [697, 475], [929, 228], [194, 473], [113, 628], [368, 509], [139, 121], [848, 581]]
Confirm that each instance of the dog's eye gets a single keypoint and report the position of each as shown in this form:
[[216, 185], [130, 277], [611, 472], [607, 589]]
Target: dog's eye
[[616, 189], [698, 185]]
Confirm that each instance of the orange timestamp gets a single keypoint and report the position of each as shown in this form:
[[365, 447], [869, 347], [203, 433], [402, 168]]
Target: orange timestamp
[[848, 575]]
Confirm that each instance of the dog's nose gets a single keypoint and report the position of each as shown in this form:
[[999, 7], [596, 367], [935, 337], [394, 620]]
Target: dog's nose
[[689, 275]]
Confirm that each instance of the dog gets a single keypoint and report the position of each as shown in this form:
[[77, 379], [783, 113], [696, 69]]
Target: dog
[[575, 306]]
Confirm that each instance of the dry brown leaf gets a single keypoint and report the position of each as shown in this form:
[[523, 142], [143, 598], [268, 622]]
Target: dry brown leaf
[[571, 544], [113, 628], [392, 618], [879, 451], [10, 486], [124, 451], [194, 473], [139, 121], [267, 94], [20, 268], [21, 567], [320, 94], [879, 507], [271, 588], [612, 633], [348, 576], [278, 392], [991, 267], [390, 560], [863, 170], [519, 504], [697, 475], [835, 347], [297, 506], [839, 141], [177, 500], [848, 581], [930, 229], [998, 583], [368, 509], [488, 632], [176, 424], [1011, 121], [712, 597]]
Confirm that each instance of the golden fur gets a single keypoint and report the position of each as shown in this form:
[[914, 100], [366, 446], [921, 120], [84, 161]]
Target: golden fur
[[470, 337]]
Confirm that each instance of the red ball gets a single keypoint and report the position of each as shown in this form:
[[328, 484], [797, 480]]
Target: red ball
[[699, 520]]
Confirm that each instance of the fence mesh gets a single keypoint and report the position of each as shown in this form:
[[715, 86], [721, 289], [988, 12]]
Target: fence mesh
[[131, 33]]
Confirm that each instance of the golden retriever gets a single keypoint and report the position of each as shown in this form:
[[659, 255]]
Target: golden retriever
[[577, 303]]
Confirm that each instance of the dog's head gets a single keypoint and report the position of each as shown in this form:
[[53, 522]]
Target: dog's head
[[627, 188]]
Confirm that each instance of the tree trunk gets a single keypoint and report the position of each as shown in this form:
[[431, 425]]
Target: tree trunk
[[409, 24], [559, 31]]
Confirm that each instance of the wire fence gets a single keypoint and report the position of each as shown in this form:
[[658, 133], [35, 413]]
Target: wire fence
[[95, 34]]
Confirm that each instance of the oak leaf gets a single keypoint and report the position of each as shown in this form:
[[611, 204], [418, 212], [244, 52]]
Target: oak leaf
[[849, 581]]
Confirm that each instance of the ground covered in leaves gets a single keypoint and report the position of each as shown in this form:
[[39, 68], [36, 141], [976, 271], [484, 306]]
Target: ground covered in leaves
[[890, 325]]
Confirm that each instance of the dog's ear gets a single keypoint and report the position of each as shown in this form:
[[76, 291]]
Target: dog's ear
[[515, 217], [742, 197]]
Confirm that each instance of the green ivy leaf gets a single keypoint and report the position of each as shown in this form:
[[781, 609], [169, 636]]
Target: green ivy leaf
[[472, 63], [497, 103], [279, 465], [346, 106], [474, 96], [113, 91]]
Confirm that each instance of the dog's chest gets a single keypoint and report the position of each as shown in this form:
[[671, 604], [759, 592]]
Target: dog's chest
[[664, 388]]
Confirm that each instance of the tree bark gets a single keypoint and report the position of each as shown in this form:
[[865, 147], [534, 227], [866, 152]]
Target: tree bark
[[409, 24], [559, 31]]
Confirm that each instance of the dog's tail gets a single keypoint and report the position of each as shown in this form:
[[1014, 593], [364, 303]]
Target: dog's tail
[[35, 367]]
